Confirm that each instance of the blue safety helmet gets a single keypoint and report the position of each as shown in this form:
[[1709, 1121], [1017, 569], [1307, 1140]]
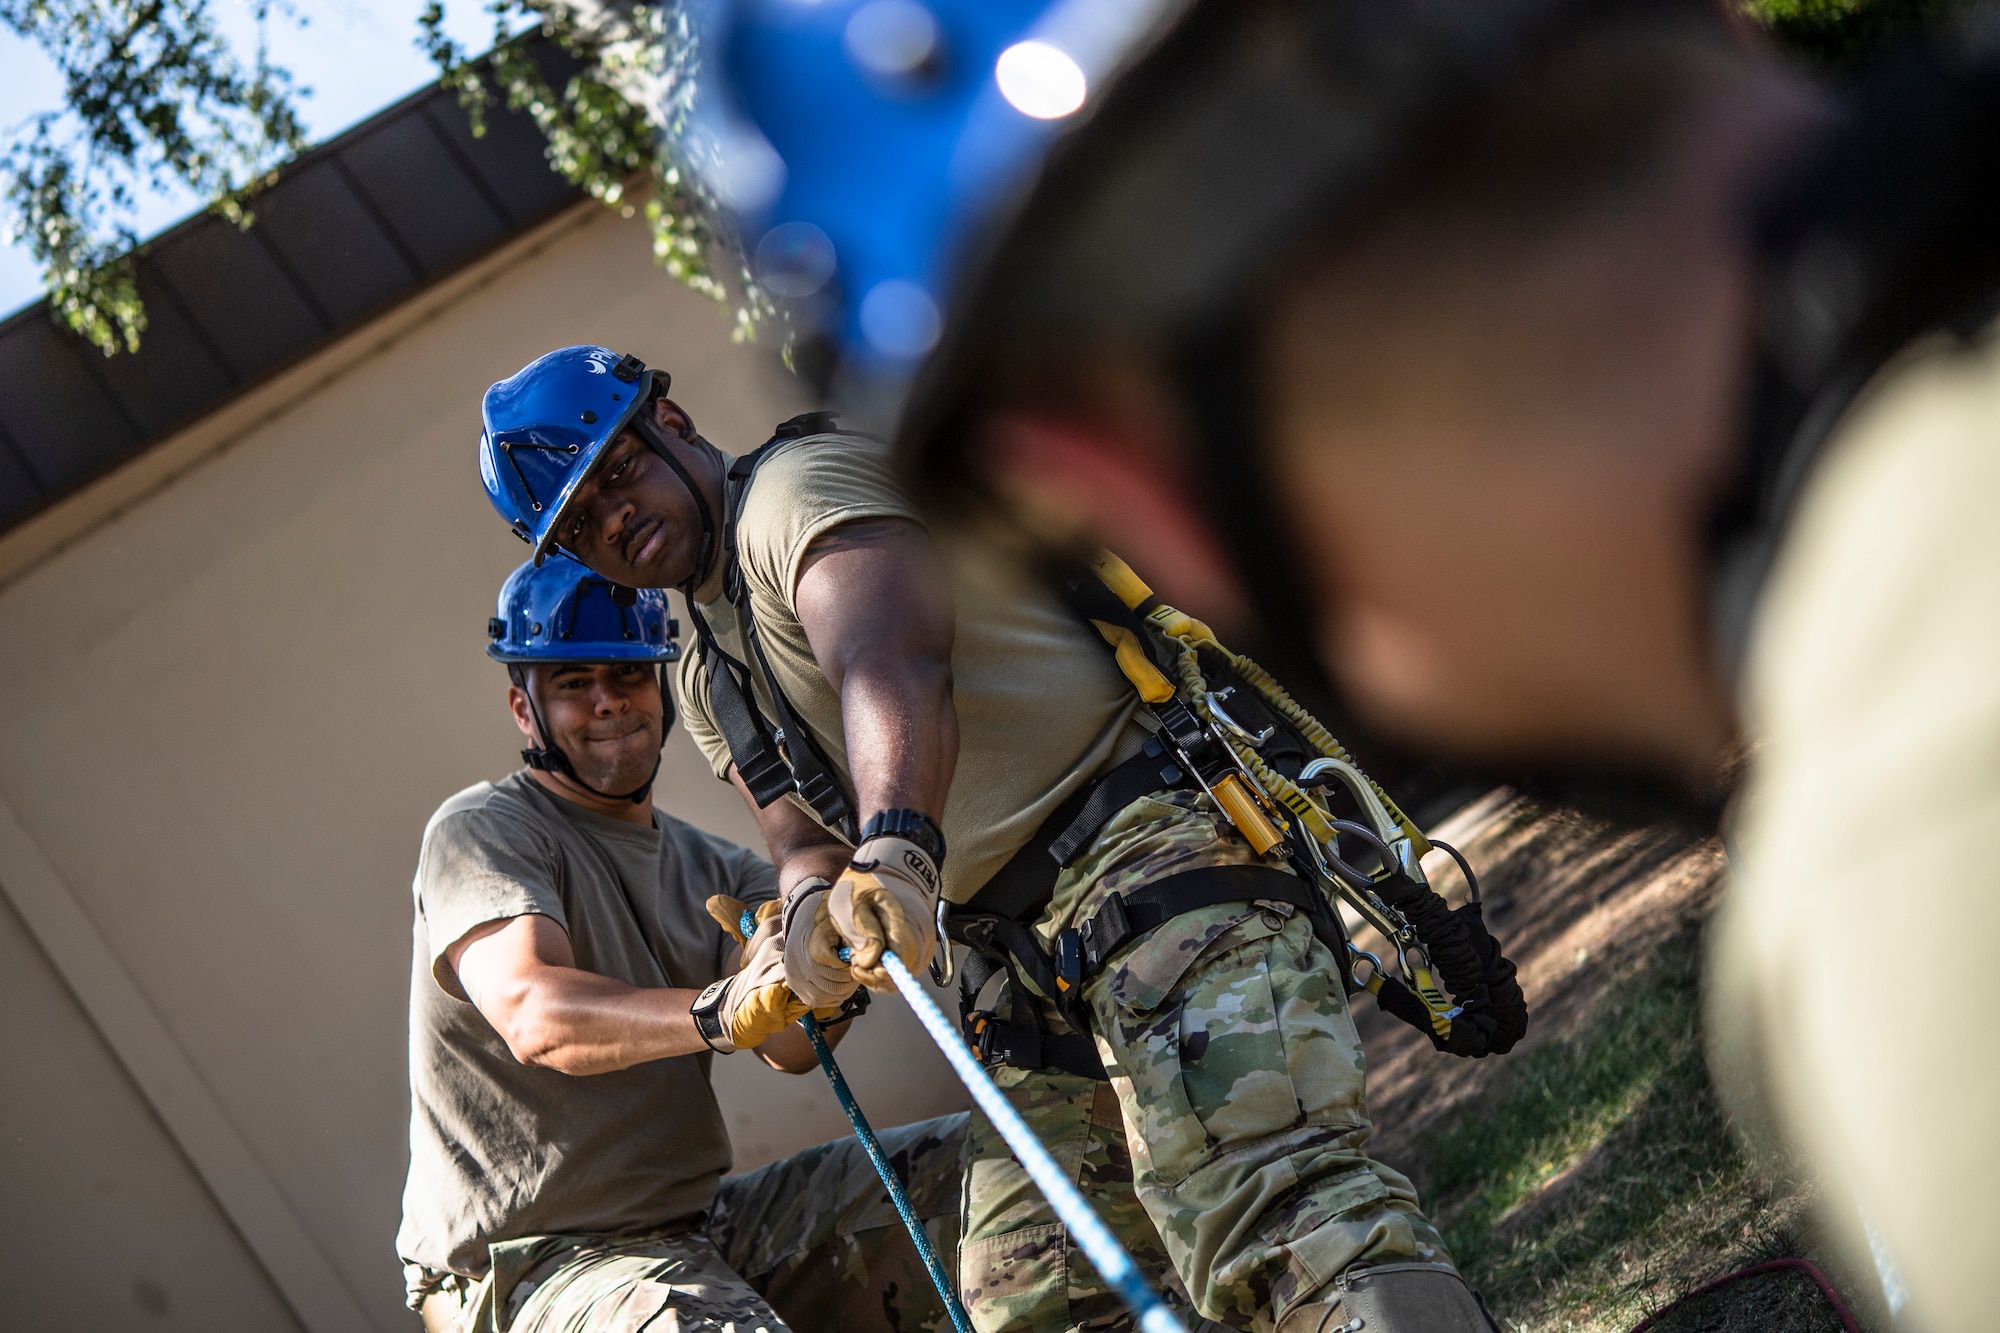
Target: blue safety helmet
[[923, 177], [861, 141], [559, 611], [544, 426]]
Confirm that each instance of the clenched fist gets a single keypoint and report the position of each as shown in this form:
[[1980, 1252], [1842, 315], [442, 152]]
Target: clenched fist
[[755, 1004], [886, 899]]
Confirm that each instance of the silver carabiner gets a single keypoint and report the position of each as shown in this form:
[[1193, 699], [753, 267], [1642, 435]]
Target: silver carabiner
[[1230, 724], [942, 965]]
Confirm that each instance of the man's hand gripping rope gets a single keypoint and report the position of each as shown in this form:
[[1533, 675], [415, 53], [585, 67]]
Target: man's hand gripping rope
[[884, 902], [756, 1003]]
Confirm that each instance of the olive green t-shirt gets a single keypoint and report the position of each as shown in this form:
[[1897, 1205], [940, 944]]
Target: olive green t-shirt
[[1041, 705], [499, 1149]]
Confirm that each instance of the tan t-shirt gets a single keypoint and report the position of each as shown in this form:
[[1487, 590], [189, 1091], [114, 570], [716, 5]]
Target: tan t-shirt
[[1847, 995], [501, 1150], [1041, 705]]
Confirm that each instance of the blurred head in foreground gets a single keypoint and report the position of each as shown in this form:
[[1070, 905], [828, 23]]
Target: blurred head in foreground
[[1407, 337], [1452, 414]]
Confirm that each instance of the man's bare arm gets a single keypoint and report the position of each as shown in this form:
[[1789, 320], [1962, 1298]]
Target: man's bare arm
[[800, 848], [799, 845], [879, 616], [522, 975]]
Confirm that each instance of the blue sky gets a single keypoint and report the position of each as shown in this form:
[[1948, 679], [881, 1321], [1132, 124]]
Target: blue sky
[[357, 56]]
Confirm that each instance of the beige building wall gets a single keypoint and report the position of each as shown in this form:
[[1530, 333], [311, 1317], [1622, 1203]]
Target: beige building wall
[[238, 678]]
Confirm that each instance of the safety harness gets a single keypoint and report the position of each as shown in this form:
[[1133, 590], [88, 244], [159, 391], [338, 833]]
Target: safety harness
[[772, 762], [1221, 726], [1230, 731]]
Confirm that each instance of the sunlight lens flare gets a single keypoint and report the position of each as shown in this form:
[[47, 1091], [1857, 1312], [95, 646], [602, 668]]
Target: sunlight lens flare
[[1040, 80]]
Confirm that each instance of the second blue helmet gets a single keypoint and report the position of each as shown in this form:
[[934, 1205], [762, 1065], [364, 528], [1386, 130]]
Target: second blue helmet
[[560, 611]]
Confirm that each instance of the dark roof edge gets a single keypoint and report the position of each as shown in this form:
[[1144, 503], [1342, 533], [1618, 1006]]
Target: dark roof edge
[[351, 229]]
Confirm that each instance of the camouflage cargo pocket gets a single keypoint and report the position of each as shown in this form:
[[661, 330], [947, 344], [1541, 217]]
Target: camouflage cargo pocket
[[1018, 1280], [1231, 1027], [1232, 1054]]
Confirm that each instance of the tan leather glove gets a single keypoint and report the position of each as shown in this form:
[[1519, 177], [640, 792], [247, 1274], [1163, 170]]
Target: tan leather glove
[[755, 1004], [824, 983], [885, 899]]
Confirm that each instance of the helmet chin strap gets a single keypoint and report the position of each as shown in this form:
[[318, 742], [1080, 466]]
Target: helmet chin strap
[[548, 757], [649, 431]]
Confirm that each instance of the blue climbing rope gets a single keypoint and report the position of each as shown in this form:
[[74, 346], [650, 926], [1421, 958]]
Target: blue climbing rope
[[1111, 1260], [1106, 1255], [898, 1196]]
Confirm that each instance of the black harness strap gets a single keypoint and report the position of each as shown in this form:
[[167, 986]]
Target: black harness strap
[[812, 772], [789, 761], [1148, 772], [997, 944], [994, 924], [1125, 917], [752, 748], [1019, 889]]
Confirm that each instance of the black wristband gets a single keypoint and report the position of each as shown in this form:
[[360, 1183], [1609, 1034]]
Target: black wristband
[[707, 1013], [915, 825]]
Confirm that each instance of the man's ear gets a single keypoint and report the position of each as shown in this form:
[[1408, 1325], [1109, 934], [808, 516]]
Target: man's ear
[[1075, 483], [517, 704], [670, 416]]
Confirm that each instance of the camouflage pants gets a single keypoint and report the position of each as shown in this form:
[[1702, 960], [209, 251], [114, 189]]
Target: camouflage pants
[[817, 1235], [1239, 1085], [809, 1243]]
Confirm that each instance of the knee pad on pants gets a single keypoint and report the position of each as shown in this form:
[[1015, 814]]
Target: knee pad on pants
[[1393, 1298]]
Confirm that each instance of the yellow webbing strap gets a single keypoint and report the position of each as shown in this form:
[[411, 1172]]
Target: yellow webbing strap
[[1125, 585], [1154, 688], [1426, 987], [1149, 680], [1129, 588]]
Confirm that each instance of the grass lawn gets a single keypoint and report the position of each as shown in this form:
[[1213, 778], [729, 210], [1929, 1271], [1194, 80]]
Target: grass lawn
[[1590, 1178]]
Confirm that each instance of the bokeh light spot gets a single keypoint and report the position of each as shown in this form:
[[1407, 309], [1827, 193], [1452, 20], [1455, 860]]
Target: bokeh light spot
[[900, 319], [1040, 80], [892, 38], [795, 259]]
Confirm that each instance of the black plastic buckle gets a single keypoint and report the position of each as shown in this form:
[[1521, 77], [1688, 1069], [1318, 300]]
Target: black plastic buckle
[[982, 1030], [853, 1006], [825, 798], [629, 369], [1100, 936], [1069, 960], [768, 777]]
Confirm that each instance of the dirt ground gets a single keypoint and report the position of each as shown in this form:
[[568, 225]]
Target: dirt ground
[[1588, 1179]]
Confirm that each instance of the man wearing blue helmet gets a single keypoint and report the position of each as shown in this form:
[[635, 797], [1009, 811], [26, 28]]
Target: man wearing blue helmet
[[877, 698], [579, 960]]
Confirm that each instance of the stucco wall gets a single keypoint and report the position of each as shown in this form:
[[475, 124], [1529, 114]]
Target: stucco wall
[[228, 710]]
